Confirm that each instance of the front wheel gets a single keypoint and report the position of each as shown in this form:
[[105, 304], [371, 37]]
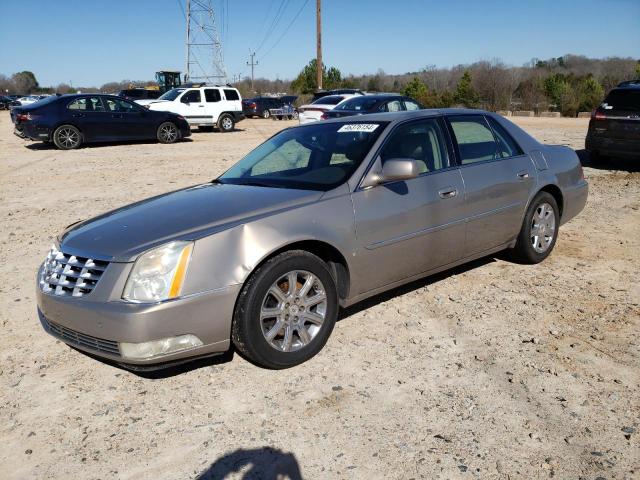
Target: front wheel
[[226, 123], [67, 137], [286, 311], [168, 133], [266, 114], [295, 115], [539, 230]]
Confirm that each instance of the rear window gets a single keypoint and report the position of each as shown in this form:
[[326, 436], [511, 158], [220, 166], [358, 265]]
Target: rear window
[[231, 94], [622, 100], [329, 100]]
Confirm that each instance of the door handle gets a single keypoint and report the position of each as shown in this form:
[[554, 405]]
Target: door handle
[[116, 115], [201, 106], [522, 175], [78, 115], [448, 192]]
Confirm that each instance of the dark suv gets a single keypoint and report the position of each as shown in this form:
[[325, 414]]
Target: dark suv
[[614, 128], [259, 106]]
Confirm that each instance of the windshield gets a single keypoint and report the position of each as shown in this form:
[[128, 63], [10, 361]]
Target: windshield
[[358, 104], [172, 94], [329, 100], [623, 100], [314, 157]]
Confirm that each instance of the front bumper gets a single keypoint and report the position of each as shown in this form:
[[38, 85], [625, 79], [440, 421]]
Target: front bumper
[[98, 327]]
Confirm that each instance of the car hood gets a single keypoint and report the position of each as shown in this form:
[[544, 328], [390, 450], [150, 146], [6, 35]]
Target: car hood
[[188, 214]]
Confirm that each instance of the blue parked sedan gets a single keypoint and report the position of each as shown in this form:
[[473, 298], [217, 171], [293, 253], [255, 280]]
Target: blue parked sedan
[[71, 120], [364, 104]]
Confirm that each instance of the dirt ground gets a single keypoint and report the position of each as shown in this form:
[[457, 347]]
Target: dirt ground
[[494, 370]]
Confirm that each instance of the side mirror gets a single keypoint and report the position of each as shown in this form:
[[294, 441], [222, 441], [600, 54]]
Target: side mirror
[[393, 170]]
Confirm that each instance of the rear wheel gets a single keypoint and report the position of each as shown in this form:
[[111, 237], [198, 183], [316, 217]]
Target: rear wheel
[[286, 310], [168, 133], [67, 137], [539, 230], [295, 115], [226, 123]]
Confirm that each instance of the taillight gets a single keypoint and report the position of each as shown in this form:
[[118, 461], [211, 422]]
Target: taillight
[[23, 117], [324, 116], [597, 115]]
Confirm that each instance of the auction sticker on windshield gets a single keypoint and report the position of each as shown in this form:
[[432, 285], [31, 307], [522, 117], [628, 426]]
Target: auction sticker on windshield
[[358, 127]]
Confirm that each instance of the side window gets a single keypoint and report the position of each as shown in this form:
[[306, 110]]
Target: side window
[[507, 146], [394, 106], [231, 94], [423, 141], [192, 96], [120, 106], [475, 139], [90, 104], [411, 105], [212, 95]]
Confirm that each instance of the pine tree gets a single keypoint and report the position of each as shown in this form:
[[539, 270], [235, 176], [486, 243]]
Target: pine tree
[[465, 93]]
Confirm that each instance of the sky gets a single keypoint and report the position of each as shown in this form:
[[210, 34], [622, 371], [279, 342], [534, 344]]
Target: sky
[[91, 42]]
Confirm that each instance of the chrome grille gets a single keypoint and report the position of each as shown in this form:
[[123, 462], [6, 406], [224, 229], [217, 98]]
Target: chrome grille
[[81, 340], [69, 275]]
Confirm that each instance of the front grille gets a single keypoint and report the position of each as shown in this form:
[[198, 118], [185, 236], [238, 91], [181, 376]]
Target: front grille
[[69, 275], [82, 340]]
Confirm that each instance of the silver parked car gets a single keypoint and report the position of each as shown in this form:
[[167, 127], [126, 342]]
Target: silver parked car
[[317, 217]]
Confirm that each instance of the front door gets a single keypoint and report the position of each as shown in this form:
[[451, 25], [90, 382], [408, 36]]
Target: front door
[[406, 228], [498, 179], [193, 108], [128, 120], [89, 115]]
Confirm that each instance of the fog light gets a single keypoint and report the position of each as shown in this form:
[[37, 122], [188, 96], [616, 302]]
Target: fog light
[[140, 351]]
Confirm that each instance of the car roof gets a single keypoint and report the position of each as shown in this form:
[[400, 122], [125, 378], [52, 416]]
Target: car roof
[[407, 115]]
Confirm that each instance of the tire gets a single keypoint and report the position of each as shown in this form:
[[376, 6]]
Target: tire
[[295, 115], [266, 113], [67, 137], [298, 328], [543, 215], [168, 132], [226, 123]]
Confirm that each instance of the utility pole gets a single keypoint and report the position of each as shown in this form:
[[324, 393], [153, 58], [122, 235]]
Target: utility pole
[[318, 45], [252, 64]]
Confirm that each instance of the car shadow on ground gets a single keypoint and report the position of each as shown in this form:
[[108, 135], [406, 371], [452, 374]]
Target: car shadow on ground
[[608, 163], [51, 146], [265, 463]]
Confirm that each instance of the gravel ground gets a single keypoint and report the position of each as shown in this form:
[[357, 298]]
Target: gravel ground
[[493, 370]]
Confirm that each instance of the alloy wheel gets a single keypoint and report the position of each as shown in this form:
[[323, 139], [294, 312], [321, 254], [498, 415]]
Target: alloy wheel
[[543, 227], [169, 133], [68, 137], [227, 124], [293, 311]]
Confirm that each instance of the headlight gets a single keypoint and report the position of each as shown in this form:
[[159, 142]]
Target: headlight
[[159, 273]]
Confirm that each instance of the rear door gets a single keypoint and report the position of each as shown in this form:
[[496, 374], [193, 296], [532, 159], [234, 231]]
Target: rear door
[[233, 100], [214, 104], [90, 116], [409, 227], [498, 179]]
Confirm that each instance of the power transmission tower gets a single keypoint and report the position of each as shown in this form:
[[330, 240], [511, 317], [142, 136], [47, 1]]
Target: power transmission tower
[[252, 63], [318, 45], [204, 60]]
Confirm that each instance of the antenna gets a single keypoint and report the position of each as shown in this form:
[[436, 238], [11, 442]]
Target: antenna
[[204, 61]]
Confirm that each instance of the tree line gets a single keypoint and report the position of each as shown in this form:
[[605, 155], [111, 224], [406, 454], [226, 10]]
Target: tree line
[[567, 84]]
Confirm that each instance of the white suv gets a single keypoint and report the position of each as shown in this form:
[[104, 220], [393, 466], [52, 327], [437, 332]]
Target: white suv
[[202, 106]]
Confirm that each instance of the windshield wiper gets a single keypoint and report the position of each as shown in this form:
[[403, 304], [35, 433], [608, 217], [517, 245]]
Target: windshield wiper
[[257, 183]]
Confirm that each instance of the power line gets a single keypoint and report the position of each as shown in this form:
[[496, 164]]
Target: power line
[[276, 20], [286, 30]]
